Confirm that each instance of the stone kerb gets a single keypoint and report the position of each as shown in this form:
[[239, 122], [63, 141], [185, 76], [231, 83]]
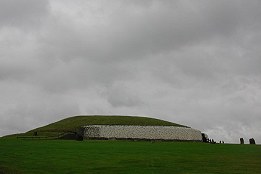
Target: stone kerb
[[142, 132]]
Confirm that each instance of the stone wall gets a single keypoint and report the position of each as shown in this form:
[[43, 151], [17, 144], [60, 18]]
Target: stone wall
[[142, 132]]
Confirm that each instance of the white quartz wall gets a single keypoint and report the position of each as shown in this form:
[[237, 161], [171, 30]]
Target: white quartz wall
[[142, 132]]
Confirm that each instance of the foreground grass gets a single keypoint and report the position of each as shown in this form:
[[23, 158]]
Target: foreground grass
[[57, 156]]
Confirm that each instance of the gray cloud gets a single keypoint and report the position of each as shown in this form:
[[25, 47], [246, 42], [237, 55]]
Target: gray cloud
[[22, 13], [149, 30], [123, 95], [192, 62]]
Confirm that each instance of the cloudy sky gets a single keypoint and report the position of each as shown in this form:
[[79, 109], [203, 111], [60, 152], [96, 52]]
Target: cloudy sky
[[196, 63]]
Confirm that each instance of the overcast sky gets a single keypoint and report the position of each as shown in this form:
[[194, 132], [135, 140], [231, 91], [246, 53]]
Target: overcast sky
[[196, 63]]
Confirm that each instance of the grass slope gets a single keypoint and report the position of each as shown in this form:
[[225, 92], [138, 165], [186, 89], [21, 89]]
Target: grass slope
[[71, 124], [60, 156]]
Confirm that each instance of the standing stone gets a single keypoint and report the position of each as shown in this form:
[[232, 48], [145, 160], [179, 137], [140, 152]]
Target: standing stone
[[252, 141], [79, 137], [241, 140], [204, 137], [35, 133]]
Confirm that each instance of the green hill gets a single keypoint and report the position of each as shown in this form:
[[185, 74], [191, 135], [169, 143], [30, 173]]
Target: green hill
[[73, 124]]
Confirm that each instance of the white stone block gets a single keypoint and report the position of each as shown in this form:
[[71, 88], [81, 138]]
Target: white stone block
[[142, 132]]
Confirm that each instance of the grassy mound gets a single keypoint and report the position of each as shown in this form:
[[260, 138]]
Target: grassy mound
[[73, 124]]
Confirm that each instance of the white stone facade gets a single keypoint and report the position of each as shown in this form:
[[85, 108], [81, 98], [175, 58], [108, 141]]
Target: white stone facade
[[142, 132]]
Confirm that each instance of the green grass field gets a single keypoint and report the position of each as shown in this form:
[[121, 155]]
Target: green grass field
[[61, 156]]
